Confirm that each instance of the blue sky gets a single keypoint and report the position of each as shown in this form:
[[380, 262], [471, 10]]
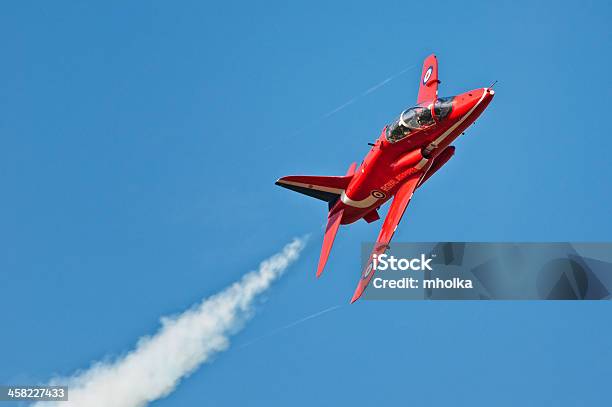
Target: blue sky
[[140, 145]]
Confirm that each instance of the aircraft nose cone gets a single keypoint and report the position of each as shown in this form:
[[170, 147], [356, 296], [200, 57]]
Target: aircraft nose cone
[[467, 101]]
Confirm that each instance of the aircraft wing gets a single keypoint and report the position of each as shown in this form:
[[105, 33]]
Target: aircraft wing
[[428, 88], [396, 211]]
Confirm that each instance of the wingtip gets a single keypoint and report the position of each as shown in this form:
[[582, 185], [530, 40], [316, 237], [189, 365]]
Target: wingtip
[[321, 265], [357, 294], [282, 180]]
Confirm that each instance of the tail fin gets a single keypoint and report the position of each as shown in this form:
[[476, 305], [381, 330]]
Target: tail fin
[[333, 222], [351, 169], [428, 89], [324, 188]]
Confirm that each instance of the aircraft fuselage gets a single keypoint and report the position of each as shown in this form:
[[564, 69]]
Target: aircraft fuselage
[[388, 163]]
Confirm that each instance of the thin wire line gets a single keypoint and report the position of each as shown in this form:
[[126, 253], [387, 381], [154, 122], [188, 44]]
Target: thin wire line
[[291, 325]]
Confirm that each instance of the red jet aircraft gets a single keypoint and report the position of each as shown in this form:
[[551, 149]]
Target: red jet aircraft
[[407, 153]]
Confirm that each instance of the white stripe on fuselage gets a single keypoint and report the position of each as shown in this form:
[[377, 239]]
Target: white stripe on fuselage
[[364, 203]]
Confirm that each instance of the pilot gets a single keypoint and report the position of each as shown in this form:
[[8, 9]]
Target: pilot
[[410, 119]]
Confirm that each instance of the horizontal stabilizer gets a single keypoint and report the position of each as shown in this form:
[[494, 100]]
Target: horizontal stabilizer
[[321, 187]]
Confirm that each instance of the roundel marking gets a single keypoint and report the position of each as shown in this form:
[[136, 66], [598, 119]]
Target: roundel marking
[[427, 74], [378, 194]]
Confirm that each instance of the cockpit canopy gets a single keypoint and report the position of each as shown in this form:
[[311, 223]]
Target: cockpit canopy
[[416, 118], [443, 107], [411, 119]]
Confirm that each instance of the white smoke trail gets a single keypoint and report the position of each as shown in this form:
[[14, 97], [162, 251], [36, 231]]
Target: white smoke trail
[[158, 363]]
